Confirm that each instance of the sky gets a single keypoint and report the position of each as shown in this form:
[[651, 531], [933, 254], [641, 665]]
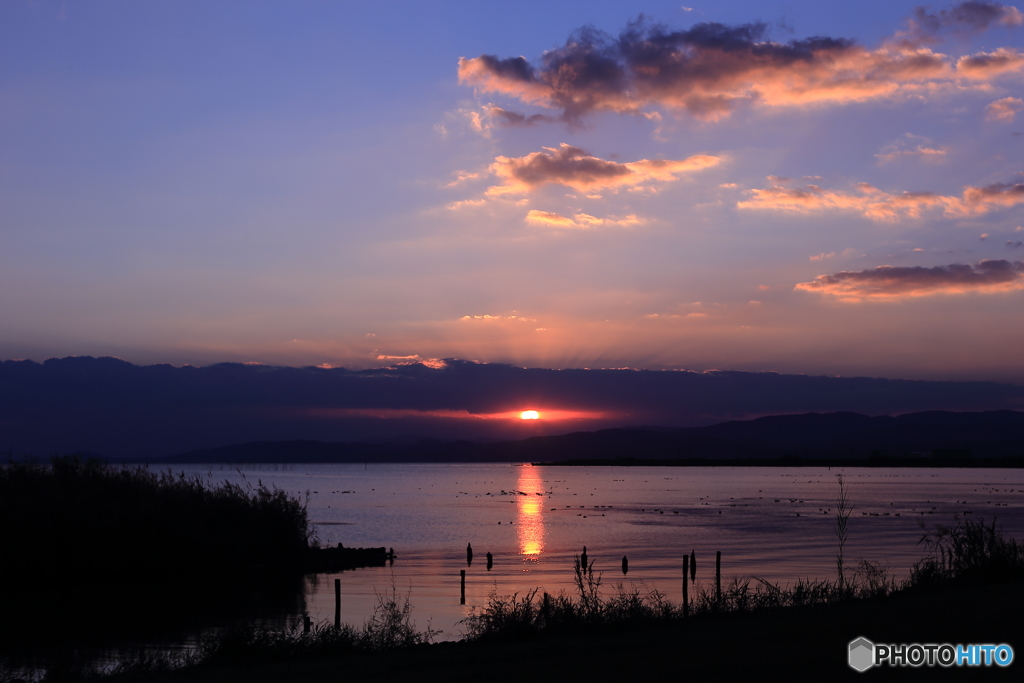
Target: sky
[[820, 188]]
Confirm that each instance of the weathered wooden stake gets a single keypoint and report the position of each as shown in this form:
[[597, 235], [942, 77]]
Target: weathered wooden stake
[[337, 603], [625, 565], [686, 598], [463, 600], [305, 624], [718, 577]]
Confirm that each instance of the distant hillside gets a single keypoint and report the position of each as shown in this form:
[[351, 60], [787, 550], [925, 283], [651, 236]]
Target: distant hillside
[[109, 406], [992, 434]]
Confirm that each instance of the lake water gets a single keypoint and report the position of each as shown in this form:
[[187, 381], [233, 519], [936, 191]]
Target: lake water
[[774, 523]]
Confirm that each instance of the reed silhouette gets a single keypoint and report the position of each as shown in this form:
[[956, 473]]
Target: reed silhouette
[[967, 552], [843, 512], [116, 523], [587, 585], [119, 533], [390, 627]]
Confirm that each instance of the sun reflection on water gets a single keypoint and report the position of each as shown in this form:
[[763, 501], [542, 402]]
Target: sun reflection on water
[[530, 520]]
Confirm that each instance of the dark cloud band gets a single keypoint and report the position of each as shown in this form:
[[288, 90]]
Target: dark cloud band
[[708, 68], [886, 282], [115, 408]]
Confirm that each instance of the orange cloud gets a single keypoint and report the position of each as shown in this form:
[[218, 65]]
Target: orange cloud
[[881, 206], [487, 317], [573, 167], [998, 194], [710, 68], [1004, 110], [461, 177], [579, 220], [889, 282], [466, 204], [988, 65], [415, 359]]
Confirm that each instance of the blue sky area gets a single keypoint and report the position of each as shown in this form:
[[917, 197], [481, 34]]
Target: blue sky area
[[800, 187]]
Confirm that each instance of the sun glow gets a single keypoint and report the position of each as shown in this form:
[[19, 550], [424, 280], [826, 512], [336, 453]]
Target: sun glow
[[529, 415]]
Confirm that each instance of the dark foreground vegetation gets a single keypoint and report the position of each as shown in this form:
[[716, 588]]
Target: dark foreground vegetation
[[93, 551], [968, 588], [85, 543], [99, 521]]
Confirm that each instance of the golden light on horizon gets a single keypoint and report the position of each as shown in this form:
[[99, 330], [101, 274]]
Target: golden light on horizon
[[547, 415]]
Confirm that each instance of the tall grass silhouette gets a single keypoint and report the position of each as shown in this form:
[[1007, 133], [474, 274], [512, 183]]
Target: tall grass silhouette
[[967, 552], [123, 551], [120, 525], [843, 512]]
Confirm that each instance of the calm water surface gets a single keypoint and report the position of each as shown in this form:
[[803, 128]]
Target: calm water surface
[[774, 523]]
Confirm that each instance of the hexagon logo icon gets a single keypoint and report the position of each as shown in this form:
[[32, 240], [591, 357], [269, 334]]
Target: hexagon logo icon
[[862, 654]]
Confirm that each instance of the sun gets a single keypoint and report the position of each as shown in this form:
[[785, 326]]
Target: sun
[[529, 415]]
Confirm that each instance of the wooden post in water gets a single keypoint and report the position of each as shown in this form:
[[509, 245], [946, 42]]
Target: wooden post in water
[[462, 601], [337, 603], [718, 578], [686, 598], [305, 624]]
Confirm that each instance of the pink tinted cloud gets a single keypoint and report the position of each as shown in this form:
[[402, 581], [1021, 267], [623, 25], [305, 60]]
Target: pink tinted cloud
[[988, 65], [710, 68], [880, 206], [573, 167], [1004, 110], [889, 282], [581, 220]]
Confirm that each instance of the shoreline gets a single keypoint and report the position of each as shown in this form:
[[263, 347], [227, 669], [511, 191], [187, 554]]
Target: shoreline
[[796, 641]]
